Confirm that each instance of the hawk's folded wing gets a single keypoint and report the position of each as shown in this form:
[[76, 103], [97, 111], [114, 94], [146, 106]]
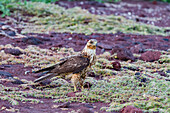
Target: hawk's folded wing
[[72, 64]]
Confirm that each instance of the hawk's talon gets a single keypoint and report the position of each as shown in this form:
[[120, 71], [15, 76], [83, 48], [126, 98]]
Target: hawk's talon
[[75, 89], [82, 87]]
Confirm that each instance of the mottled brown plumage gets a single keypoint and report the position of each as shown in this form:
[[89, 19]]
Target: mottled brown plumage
[[76, 65]]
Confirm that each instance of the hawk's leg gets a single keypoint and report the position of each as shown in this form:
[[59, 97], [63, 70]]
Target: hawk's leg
[[75, 79], [82, 85]]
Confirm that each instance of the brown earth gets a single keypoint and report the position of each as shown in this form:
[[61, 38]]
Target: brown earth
[[106, 41]]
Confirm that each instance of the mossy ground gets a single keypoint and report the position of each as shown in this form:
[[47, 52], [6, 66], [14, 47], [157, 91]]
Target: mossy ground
[[51, 17], [119, 88]]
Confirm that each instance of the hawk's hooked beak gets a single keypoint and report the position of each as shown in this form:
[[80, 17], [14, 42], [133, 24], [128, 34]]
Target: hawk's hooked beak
[[96, 44]]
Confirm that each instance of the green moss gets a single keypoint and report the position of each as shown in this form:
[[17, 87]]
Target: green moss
[[51, 17], [119, 88]]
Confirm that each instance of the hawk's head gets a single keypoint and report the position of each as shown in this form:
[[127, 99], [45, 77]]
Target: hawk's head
[[91, 44], [90, 48]]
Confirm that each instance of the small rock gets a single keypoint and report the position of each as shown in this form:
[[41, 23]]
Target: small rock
[[91, 74], [162, 73], [16, 52], [95, 36], [85, 110], [122, 38], [1, 23], [137, 48], [123, 53], [60, 44], [2, 67], [116, 66], [16, 81], [52, 34], [32, 40], [137, 73], [7, 106], [88, 105], [168, 71], [87, 85], [140, 77], [45, 39], [71, 94], [11, 33], [166, 39], [130, 109], [5, 74], [5, 27], [64, 105], [132, 68], [104, 46], [45, 82], [150, 56], [103, 50]]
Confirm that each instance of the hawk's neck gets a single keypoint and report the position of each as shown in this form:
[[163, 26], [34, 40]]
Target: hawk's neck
[[89, 52]]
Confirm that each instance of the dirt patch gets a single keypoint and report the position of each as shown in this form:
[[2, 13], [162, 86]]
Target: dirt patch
[[77, 41], [49, 107]]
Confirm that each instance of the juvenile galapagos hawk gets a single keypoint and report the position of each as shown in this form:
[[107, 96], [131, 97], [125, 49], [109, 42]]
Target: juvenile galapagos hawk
[[75, 65]]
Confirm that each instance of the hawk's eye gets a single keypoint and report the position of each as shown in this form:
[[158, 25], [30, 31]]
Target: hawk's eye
[[91, 42]]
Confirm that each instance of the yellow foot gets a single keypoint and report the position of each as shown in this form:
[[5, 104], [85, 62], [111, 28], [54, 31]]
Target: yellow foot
[[75, 89], [82, 88]]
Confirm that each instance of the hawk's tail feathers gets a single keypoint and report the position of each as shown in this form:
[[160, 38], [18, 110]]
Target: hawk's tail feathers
[[48, 76]]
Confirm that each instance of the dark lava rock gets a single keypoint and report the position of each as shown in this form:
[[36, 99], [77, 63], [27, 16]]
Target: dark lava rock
[[166, 39], [7, 106], [91, 74], [45, 39], [45, 82], [85, 110], [87, 85], [60, 44], [150, 56], [137, 48], [41, 74], [104, 46], [71, 94], [16, 52], [137, 73], [162, 73], [168, 71], [2, 67], [132, 68], [32, 40], [1, 23], [64, 105], [16, 81], [8, 75], [5, 74], [123, 38], [11, 33], [140, 77], [88, 105], [116, 66], [130, 109], [123, 53]]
